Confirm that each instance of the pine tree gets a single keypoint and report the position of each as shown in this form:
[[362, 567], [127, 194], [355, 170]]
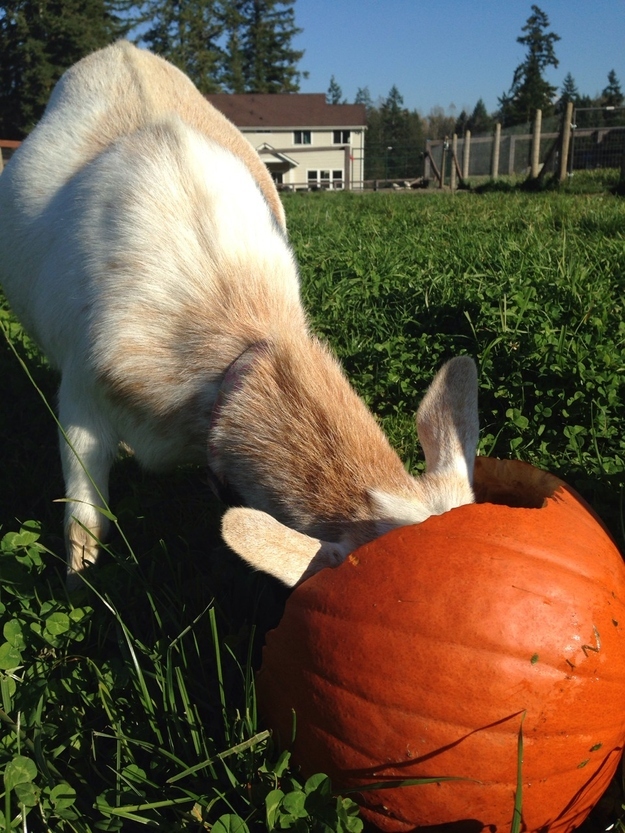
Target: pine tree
[[394, 138], [529, 90], [374, 156], [569, 89], [38, 42], [612, 95], [232, 75], [363, 96], [269, 59], [462, 121], [335, 93], [568, 93], [480, 122], [394, 133], [186, 32]]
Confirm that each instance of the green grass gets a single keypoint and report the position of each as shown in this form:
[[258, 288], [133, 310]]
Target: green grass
[[131, 704], [532, 286]]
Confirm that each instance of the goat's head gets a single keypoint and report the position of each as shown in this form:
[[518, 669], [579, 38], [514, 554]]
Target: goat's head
[[447, 425]]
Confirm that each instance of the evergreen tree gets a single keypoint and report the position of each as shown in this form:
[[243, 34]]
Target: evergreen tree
[[232, 75], [38, 42], [394, 134], [569, 92], [462, 121], [269, 59], [374, 156], [186, 32], [394, 139], [530, 91], [569, 89], [335, 93], [480, 122], [363, 96], [612, 95], [416, 145]]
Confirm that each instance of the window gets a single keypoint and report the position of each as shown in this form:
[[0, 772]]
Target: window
[[324, 179], [341, 137], [302, 137]]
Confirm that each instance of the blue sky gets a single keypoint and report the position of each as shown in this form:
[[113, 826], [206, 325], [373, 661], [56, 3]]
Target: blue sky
[[452, 52]]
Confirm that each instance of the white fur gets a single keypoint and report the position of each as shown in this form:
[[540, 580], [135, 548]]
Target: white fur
[[143, 246]]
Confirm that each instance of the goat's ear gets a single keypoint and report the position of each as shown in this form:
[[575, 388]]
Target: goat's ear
[[447, 420], [267, 545]]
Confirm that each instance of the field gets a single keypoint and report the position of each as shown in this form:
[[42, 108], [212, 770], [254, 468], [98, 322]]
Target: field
[[131, 703]]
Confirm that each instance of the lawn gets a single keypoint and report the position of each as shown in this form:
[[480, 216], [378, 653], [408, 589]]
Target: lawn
[[132, 702]]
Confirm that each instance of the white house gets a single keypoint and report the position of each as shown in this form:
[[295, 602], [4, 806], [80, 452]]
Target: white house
[[304, 141]]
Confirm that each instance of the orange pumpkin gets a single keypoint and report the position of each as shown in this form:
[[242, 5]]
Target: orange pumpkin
[[429, 651]]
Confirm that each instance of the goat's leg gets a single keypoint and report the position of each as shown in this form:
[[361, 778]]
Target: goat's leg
[[88, 446]]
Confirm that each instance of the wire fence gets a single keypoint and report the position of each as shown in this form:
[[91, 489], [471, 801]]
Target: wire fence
[[598, 138], [514, 151]]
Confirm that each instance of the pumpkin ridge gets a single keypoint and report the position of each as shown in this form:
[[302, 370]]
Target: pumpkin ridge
[[522, 655], [497, 727], [394, 769], [397, 770], [320, 732]]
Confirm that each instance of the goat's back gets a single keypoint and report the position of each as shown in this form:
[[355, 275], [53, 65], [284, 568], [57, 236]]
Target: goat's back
[[113, 93], [142, 240]]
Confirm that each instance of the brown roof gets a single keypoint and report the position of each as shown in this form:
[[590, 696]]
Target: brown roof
[[287, 110]]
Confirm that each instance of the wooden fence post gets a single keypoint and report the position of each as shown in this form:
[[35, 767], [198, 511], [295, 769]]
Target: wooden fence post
[[535, 162], [566, 140], [437, 173], [444, 161], [511, 155], [496, 149], [426, 160], [453, 177], [466, 154]]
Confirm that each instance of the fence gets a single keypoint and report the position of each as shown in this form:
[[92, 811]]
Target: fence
[[598, 145], [532, 154], [507, 152]]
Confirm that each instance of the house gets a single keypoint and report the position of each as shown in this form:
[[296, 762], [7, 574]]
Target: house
[[304, 141]]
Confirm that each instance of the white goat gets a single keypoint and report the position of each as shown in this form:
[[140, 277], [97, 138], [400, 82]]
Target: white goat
[[143, 245]]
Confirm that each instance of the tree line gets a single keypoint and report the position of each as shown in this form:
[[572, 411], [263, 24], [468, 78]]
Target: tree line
[[247, 46], [223, 45], [396, 136]]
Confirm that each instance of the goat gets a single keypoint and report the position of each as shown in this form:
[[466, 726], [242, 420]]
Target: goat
[[143, 246]]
